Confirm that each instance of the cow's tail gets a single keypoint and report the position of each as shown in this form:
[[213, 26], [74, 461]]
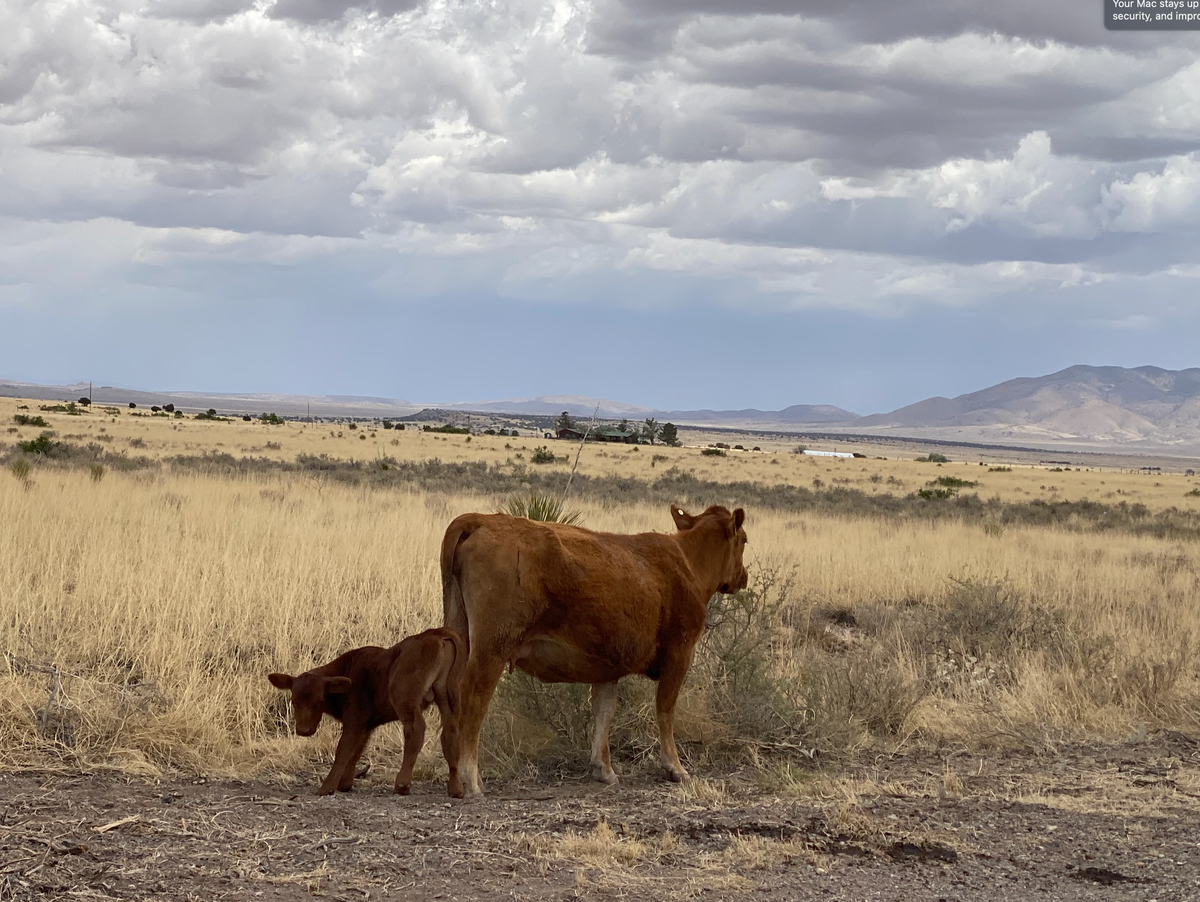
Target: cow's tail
[[454, 609]]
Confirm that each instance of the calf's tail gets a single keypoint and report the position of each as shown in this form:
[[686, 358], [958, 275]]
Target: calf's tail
[[458, 669]]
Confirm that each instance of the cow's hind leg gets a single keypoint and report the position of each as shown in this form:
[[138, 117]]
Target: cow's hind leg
[[483, 673], [669, 683], [604, 706], [414, 738]]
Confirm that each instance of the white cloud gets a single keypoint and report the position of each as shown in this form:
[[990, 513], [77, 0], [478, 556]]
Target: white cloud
[[1156, 201], [779, 153]]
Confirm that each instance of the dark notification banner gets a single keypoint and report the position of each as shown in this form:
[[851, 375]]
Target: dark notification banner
[[1152, 15]]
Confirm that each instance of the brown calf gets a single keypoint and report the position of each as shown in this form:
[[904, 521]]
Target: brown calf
[[371, 686]]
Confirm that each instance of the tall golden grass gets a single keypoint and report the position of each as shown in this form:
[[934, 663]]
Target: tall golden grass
[[140, 613]]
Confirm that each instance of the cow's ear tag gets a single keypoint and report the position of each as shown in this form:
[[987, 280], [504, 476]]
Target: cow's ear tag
[[683, 520]]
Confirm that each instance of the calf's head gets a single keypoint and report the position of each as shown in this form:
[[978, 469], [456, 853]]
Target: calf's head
[[729, 541], [310, 694]]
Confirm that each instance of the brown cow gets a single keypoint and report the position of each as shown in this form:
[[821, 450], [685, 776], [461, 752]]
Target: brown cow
[[569, 605], [371, 686]]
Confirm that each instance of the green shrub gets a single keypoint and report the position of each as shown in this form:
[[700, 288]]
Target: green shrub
[[936, 494], [953, 482], [933, 458], [40, 445], [999, 469], [24, 419], [70, 409], [543, 455], [272, 419], [1194, 493], [536, 506], [446, 428], [712, 452]]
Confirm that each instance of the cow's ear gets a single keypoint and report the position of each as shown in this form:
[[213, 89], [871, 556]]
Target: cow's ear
[[281, 680], [739, 517], [683, 520], [337, 685]]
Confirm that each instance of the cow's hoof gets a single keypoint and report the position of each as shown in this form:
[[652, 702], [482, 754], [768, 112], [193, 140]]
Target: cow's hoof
[[455, 790], [401, 790], [608, 779], [679, 776]]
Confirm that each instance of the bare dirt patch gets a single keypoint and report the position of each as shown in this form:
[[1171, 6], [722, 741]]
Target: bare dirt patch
[[1086, 822]]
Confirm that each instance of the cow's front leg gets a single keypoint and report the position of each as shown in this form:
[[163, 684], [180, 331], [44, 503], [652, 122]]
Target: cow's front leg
[[670, 681], [604, 706]]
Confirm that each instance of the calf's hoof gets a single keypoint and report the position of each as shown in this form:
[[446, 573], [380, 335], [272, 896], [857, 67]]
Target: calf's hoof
[[454, 789], [401, 790], [679, 776]]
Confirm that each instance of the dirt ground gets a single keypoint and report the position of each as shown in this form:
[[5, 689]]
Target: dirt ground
[[1087, 822]]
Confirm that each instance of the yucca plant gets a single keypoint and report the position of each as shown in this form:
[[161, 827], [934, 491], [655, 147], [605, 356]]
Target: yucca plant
[[545, 508]]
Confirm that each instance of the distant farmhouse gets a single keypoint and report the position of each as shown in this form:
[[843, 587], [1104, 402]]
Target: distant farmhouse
[[626, 433], [603, 434]]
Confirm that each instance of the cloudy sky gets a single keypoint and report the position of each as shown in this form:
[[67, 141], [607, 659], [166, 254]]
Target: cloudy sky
[[675, 203]]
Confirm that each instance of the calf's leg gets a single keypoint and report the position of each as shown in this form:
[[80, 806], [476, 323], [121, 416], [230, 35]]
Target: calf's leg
[[604, 706], [450, 746], [349, 750], [414, 738]]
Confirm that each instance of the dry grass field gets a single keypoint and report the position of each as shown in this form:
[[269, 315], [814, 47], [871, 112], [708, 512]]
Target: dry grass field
[[139, 433], [141, 608], [156, 599]]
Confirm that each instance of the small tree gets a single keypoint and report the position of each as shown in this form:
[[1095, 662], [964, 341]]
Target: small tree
[[565, 421], [651, 429], [669, 435], [84, 402]]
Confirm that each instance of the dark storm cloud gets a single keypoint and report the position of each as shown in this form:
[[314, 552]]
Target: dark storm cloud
[[328, 10]]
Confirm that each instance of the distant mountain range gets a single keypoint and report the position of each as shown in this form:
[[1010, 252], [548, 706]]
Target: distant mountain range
[[1142, 408], [580, 406], [1090, 404]]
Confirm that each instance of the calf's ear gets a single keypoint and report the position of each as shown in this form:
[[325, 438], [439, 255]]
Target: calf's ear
[[739, 517], [683, 520], [337, 685], [281, 680]]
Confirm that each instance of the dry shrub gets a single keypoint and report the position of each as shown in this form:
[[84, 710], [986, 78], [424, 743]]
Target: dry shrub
[[735, 700]]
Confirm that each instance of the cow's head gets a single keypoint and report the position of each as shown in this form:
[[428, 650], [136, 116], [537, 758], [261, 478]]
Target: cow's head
[[733, 541], [309, 693]]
